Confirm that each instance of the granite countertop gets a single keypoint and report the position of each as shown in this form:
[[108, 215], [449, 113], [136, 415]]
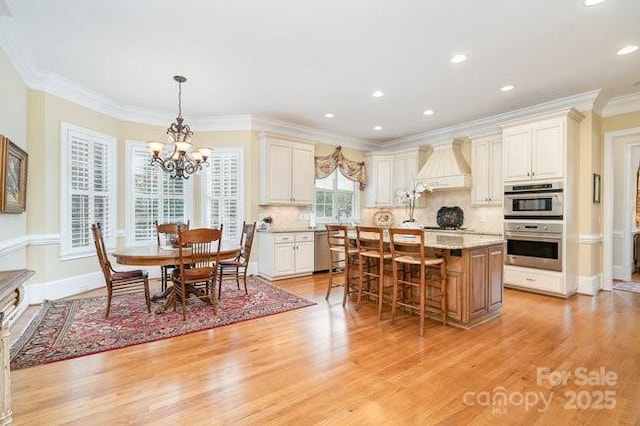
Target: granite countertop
[[292, 229], [442, 239], [461, 241]]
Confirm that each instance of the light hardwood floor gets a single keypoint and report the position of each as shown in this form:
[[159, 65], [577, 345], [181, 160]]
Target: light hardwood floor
[[327, 364]]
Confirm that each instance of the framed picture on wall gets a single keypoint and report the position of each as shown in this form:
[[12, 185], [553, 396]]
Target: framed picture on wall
[[13, 177]]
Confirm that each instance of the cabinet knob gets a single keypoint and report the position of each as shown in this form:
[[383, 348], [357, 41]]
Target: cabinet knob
[[533, 173], [527, 173]]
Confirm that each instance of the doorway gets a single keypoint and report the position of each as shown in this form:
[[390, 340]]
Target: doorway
[[621, 161]]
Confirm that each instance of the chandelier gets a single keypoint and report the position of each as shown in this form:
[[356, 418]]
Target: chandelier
[[182, 159]]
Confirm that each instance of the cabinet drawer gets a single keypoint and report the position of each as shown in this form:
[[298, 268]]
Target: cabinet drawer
[[283, 238], [533, 279], [304, 236]]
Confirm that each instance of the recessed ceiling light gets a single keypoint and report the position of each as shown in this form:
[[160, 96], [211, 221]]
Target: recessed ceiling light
[[627, 49], [378, 94], [377, 128], [507, 88], [428, 112], [460, 57], [592, 2], [329, 115]]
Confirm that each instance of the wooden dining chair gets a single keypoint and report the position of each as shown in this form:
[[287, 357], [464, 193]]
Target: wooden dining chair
[[166, 234], [233, 268], [199, 253], [413, 269], [119, 282]]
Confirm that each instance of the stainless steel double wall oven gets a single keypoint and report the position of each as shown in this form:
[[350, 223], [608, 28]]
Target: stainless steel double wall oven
[[533, 225]]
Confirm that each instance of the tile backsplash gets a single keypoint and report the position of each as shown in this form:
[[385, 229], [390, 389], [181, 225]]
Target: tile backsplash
[[482, 219]]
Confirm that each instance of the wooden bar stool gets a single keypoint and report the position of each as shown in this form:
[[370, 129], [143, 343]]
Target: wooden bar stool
[[341, 255], [372, 257], [411, 271]]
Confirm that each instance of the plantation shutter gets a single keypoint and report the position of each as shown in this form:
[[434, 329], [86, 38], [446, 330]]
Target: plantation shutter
[[89, 189], [223, 193], [155, 196]]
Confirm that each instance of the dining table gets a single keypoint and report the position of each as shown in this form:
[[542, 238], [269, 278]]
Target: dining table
[[155, 255]]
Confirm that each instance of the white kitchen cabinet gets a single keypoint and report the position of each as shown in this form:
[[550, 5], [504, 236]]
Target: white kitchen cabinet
[[388, 173], [380, 191], [534, 151], [286, 172], [285, 254], [486, 164], [535, 280]]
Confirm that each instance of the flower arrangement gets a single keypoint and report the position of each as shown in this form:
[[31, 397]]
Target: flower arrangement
[[410, 197]]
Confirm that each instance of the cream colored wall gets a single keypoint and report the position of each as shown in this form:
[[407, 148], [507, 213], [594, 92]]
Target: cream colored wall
[[47, 112], [590, 214], [13, 124], [621, 121]]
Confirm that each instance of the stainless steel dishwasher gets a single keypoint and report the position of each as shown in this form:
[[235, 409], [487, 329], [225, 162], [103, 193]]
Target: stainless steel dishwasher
[[321, 246]]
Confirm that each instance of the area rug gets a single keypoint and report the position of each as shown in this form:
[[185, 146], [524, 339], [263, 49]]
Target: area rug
[[73, 328], [626, 286]]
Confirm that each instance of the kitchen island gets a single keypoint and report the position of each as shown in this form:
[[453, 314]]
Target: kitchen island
[[474, 275], [474, 267]]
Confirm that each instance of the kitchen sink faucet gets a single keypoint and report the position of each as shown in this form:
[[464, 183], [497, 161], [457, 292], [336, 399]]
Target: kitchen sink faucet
[[341, 212]]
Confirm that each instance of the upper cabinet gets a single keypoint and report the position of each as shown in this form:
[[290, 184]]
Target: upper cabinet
[[286, 171], [486, 164], [380, 190], [534, 151], [388, 173]]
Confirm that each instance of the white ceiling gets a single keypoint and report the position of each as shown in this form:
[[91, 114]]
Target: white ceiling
[[295, 60]]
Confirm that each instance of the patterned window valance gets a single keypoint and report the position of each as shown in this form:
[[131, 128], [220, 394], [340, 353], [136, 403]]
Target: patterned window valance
[[352, 170]]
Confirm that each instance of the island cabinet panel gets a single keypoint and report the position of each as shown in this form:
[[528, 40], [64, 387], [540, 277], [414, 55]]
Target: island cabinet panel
[[474, 284], [454, 295], [496, 276], [478, 283]]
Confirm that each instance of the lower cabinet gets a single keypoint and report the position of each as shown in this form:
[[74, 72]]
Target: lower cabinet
[[285, 254], [474, 284], [535, 280], [485, 280]]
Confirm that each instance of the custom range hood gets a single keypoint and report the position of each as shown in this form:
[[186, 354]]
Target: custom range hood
[[446, 168]]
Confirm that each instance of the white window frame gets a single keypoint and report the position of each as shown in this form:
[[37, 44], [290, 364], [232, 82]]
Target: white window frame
[[68, 131], [131, 146], [356, 203], [204, 195]]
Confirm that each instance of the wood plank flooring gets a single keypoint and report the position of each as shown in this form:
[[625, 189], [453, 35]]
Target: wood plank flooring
[[327, 364]]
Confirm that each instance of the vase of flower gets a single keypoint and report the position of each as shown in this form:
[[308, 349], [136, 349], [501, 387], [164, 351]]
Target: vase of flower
[[409, 197]]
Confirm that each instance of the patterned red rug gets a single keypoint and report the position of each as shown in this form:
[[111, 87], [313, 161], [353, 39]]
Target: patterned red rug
[[72, 328], [626, 286]]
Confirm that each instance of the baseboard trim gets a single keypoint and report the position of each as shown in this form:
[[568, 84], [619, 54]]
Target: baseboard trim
[[36, 293], [590, 285]]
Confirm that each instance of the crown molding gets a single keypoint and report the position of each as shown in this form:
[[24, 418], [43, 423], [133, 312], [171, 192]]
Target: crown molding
[[15, 49], [14, 46], [622, 105], [269, 125], [488, 125]]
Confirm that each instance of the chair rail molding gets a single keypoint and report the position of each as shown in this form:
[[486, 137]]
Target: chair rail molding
[[18, 243], [590, 238]]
